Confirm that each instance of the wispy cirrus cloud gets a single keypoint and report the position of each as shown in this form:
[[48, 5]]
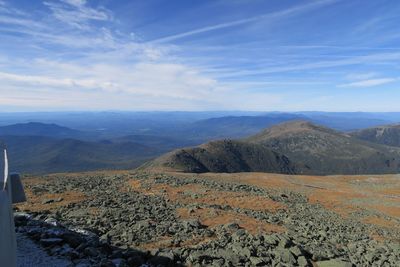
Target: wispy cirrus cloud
[[269, 16], [12, 20], [361, 76], [11, 16], [76, 13], [72, 53], [80, 63], [369, 83], [369, 59], [172, 80]]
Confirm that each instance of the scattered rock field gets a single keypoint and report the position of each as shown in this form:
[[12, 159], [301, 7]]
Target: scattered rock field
[[165, 219]]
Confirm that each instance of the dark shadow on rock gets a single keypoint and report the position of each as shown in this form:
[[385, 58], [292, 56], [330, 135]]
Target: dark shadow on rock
[[85, 248]]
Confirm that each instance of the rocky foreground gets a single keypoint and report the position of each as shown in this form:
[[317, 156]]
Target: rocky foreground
[[150, 219]]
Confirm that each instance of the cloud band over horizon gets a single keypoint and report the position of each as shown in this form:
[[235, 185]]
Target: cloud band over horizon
[[74, 55]]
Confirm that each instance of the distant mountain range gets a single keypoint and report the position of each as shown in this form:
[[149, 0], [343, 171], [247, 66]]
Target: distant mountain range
[[195, 126], [112, 140], [242, 126], [47, 148], [385, 135], [38, 154], [39, 129], [293, 147], [236, 126]]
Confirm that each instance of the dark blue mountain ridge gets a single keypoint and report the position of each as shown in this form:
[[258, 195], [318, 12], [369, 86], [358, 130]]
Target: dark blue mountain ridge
[[39, 129]]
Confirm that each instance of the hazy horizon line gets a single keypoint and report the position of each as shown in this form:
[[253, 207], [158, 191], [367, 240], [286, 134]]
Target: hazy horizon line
[[194, 111]]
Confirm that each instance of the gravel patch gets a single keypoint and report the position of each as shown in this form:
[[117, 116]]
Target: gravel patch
[[30, 254], [117, 225]]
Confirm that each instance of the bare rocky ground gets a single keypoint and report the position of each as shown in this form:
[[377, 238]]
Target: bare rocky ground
[[173, 219], [32, 255]]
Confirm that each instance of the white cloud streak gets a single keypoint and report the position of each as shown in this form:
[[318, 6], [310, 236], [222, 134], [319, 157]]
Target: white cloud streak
[[113, 66], [369, 83], [19, 22], [268, 16], [75, 63], [371, 59], [166, 80], [76, 13], [361, 76]]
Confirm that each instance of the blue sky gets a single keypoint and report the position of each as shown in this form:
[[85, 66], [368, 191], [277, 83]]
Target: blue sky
[[328, 55]]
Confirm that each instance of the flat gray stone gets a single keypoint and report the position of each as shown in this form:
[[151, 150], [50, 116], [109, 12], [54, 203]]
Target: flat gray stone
[[334, 263]]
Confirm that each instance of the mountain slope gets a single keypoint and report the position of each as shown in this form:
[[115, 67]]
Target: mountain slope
[[38, 129], [320, 150], [226, 156], [162, 143], [242, 126], [236, 126], [386, 135], [38, 154], [293, 147]]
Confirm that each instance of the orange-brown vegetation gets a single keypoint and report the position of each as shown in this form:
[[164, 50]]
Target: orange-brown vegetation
[[336, 201], [167, 242], [94, 211], [89, 173], [377, 237], [35, 203], [162, 242], [342, 194], [380, 222], [211, 217], [187, 194], [388, 210], [214, 217]]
